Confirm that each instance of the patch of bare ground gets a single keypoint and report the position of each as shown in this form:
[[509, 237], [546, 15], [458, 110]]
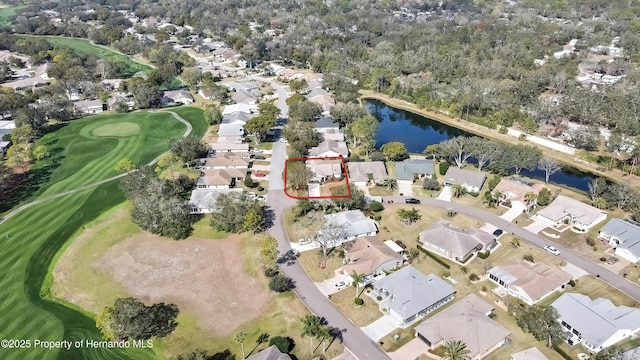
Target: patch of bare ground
[[199, 275]]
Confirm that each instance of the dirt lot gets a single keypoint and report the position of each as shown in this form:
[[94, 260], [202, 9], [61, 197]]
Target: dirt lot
[[197, 274]]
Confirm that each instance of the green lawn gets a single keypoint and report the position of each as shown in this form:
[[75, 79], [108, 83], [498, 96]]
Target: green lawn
[[87, 47], [31, 240], [7, 12]]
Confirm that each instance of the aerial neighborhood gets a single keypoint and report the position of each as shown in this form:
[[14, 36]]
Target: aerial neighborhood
[[320, 180]]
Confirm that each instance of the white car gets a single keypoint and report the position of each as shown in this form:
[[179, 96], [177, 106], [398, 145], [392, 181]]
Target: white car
[[284, 141], [552, 250]]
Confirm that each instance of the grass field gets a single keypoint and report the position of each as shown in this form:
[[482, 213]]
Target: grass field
[[87, 47], [31, 240], [6, 12]]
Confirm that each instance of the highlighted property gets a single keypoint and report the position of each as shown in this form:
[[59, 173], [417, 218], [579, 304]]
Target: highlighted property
[[316, 178]]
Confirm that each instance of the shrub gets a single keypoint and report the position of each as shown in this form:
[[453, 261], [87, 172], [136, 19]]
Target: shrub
[[376, 156], [522, 137], [444, 166], [528, 257], [572, 283], [271, 272], [474, 193], [434, 257], [493, 182], [376, 206], [379, 298], [282, 343], [503, 130], [281, 283], [544, 197], [362, 152], [484, 288], [473, 277], [603, 259], [446, 274], [431, 184], [591, 241], [358, 301], [248, 182], [484, 254], [377, 217]]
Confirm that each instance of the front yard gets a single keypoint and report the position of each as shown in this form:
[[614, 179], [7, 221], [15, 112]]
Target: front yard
[[361, 316], [319, 268]]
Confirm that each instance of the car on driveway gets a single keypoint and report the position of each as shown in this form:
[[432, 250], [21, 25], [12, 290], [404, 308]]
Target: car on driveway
[[341, 285], [497, 233], [552, 250], [612, 260], [412, 201]]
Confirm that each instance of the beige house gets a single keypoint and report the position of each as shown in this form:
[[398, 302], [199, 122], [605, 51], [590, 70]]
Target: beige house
[[466, 320], [454, 243], [371, 257], [514, 192], [226, 161], [325, 170], [528, 282], [471, 180], [362, 173], [330, 148], [228, 146], [568, 211], [220, 178]]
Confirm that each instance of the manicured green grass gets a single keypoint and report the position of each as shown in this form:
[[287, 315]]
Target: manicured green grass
[[31, 240], [120, 129], [86, 47], [7, 12]]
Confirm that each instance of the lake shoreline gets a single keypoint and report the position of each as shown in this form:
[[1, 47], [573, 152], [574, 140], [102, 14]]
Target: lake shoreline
[[479, 130]]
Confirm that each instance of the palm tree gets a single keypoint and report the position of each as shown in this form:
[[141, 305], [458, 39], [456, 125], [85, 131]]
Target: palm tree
[[409, 216], [530, 199], [323, 333], [455, 350], [357, 279], [239, 338], [391, 184], [600, 203], [311, 326], [491, 199], [457, 190]]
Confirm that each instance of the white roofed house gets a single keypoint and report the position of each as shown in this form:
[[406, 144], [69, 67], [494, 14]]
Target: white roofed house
[[596, 324], [355, 224], [471, 180], [330, 148], [515, 191], [226, 160], [203, 201], [220, 178], [231, 130], [177, 97], [89, 106], [242, 107], [568, 211], [363, 173], [409, 295], [624, 236], [371, 257], [228, 146], [325, 170], [238, 117], [454, 243]]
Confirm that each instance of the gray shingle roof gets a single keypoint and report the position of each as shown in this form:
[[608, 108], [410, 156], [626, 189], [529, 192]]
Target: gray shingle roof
[[270, 353], [597, 320], [406, 170], [455, 240], [413, 290], [355, 222], [358, 171], [626, 232], [465, 177], [563, 205]]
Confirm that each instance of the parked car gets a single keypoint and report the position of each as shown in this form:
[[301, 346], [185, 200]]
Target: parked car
[[552, 250], [258, 157], [341, 285], [412, 201], [497, 233], [257, 151], [284, 141], [612, 260]]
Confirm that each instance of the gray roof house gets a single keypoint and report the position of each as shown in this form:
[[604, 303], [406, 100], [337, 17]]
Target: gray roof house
[[270, 353], [466, 320], [361, 172], [203, 201], [529, 354], [368, 255], [325, 122], [231, 130], [409, 294], [237, 118], [574, 212], [355, 223], [472, 180], [454, 243], [177, 97], [330, 148], [409, 170], [89, 106], [624, 235], [596, 323]]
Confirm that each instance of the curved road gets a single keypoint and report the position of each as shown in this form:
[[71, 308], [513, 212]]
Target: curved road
[[21, 208]]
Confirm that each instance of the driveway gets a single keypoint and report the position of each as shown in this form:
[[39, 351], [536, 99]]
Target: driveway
[[328, 287], [445, 194], [381, 327], [537, 226], [512, 213], [406, 189], [410, 350]]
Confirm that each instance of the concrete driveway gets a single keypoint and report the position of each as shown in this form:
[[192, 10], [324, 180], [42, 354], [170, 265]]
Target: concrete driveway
[[328, 286], [410, 350], [381, 327], [537, 226], [445, 194], [406, 189], [512, 213]]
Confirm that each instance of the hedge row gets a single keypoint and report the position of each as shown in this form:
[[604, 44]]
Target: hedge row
[[562, 353], [434, 257]]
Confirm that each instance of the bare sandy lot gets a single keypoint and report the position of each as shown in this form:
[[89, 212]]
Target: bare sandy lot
[[201, 276]]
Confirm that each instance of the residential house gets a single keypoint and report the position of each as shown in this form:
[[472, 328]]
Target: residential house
[[527, 282], [325, 170], [468, 321], [237, 118], [326, 102], [245, 86], [325, 123], [624, 236], [565, 210], [228, 146], [362, 173], [408, 294], [355, 224], [90, 106], [514, 192], [370, 257], [410, 170], [331, 134], [289, 74], [454, 243], [471, 180], [529, 354], [111, 84], [240, 97], [203, 201], [227, 160], [231, 130], [40, 78], [270, 353], [329, 148], [220, 178], [247, 108], [174, 97], [597, 323]]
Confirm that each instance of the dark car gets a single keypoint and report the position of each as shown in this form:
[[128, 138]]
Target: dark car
[[412, 201], [498, 232], [258, 157]]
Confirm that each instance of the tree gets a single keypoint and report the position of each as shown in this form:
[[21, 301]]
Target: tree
[[234, 212], [23, 134], [145, 95], [455, 350], [259, 126], [124, 166], [364, 129], [550, 166], [269, 110], [357, 279], [530, 199], [395, 151], [298, 175], [524, 157], [189, 149], [282, 343], [304, 111], [484, 150], [431, 183], [204, 355], [40, 152], [356, 201], [212, 114], [490, 199], [19, 156], [431, 150], [542, 323], [409, 216], [346, 113], [544, 197], [390, 183], [281, 283], [191, 76], [311, 327], [613, 352], [295, 98], [269, 251], [168, 161], [130, 319], [457, 149], [298, 85], [254, 220], [458, 190], [330, 234], [240, 338]]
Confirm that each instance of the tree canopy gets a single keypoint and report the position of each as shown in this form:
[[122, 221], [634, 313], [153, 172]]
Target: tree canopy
[[130, 319]]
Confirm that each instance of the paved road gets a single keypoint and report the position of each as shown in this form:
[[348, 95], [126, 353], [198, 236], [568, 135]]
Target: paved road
[[21, 208], [589, 266]]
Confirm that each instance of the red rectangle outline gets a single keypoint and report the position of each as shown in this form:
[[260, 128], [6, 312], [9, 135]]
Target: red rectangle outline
[[346, 178]]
